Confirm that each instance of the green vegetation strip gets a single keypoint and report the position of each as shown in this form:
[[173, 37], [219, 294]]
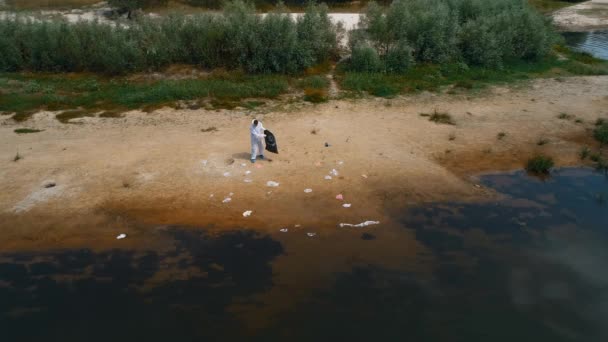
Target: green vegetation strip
[[27, 130], [26, 93]]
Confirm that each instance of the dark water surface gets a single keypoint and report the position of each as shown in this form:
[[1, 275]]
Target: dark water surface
[[595, 43], [531, 267]]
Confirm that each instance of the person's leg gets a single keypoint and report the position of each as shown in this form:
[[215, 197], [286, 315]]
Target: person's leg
[[260, 149], [254, 152]]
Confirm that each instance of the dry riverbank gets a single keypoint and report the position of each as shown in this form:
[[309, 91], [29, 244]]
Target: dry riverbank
[[159, 168]]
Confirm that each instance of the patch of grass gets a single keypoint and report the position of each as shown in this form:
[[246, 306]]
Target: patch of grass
[[600, 133], [585, 151], [540, 164], [209, 129], [542, 141], [431, 77], [251, 105], [565, 116], [595, 157], [315, 95], [501, 135], [440, 118], [27, 130], [600, 121], [313, 82], [120, 94]]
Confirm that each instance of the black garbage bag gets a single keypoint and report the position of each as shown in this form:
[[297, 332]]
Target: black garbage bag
[[271, 142]]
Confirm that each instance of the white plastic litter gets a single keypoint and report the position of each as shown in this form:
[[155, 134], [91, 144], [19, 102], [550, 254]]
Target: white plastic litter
[[346, 205], [243, 164], [339, 197], [334, 172], [231, 194], [226, 200], [340, 162], [364, 176], [297, 226], [362, 224], [248, 181], [272, 184], [204, 162], [247, 172], [121, 236], [210, 196], [226, 174], [283, 230], [247, 213], [328, 177], [311, 234], [307, 191]]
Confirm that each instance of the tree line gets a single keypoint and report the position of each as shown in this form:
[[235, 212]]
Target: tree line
[[488, 33]]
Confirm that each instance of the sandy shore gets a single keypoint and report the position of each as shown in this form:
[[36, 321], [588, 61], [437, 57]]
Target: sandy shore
[[158, 169], [586, 16]]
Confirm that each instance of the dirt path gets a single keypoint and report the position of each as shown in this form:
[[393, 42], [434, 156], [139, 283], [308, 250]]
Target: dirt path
[[159, 168]]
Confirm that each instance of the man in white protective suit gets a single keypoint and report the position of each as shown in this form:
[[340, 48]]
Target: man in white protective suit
[[257, 140]]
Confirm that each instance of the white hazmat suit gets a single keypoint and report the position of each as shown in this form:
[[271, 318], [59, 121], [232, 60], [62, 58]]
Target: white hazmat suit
[[257, 140]]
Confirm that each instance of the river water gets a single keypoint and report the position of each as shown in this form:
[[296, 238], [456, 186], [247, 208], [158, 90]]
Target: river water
[[529, 267], [595, 43]]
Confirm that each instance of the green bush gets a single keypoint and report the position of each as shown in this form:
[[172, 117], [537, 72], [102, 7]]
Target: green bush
[[540, 164], [365, 59], [601, 133], [486, 33], [236, 38]]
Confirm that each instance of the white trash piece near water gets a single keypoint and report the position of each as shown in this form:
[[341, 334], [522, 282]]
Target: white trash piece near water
[[272, 184], [247, 172], [307, 191], [362, 224], [311, 234], [248, 180], [297, 226], [283, 230], [121, 236], [346, 205], [226, 174], [247, 213], [226, 200], [334, 172], [328, 177]]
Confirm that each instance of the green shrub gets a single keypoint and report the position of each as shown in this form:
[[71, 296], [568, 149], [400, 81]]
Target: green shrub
[[237, 38], [364, 58], [585, 151], [540, 164], [486, 33], [601, 133]]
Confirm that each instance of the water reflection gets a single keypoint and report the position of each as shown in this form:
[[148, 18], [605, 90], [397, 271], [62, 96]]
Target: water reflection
[[595, 43], [120, 295], [528, 267]]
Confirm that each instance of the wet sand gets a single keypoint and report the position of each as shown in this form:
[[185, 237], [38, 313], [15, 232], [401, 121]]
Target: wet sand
[[151, 169]]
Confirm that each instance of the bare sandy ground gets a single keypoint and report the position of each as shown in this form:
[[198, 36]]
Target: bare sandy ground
[[586, 16], [159, 168]]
